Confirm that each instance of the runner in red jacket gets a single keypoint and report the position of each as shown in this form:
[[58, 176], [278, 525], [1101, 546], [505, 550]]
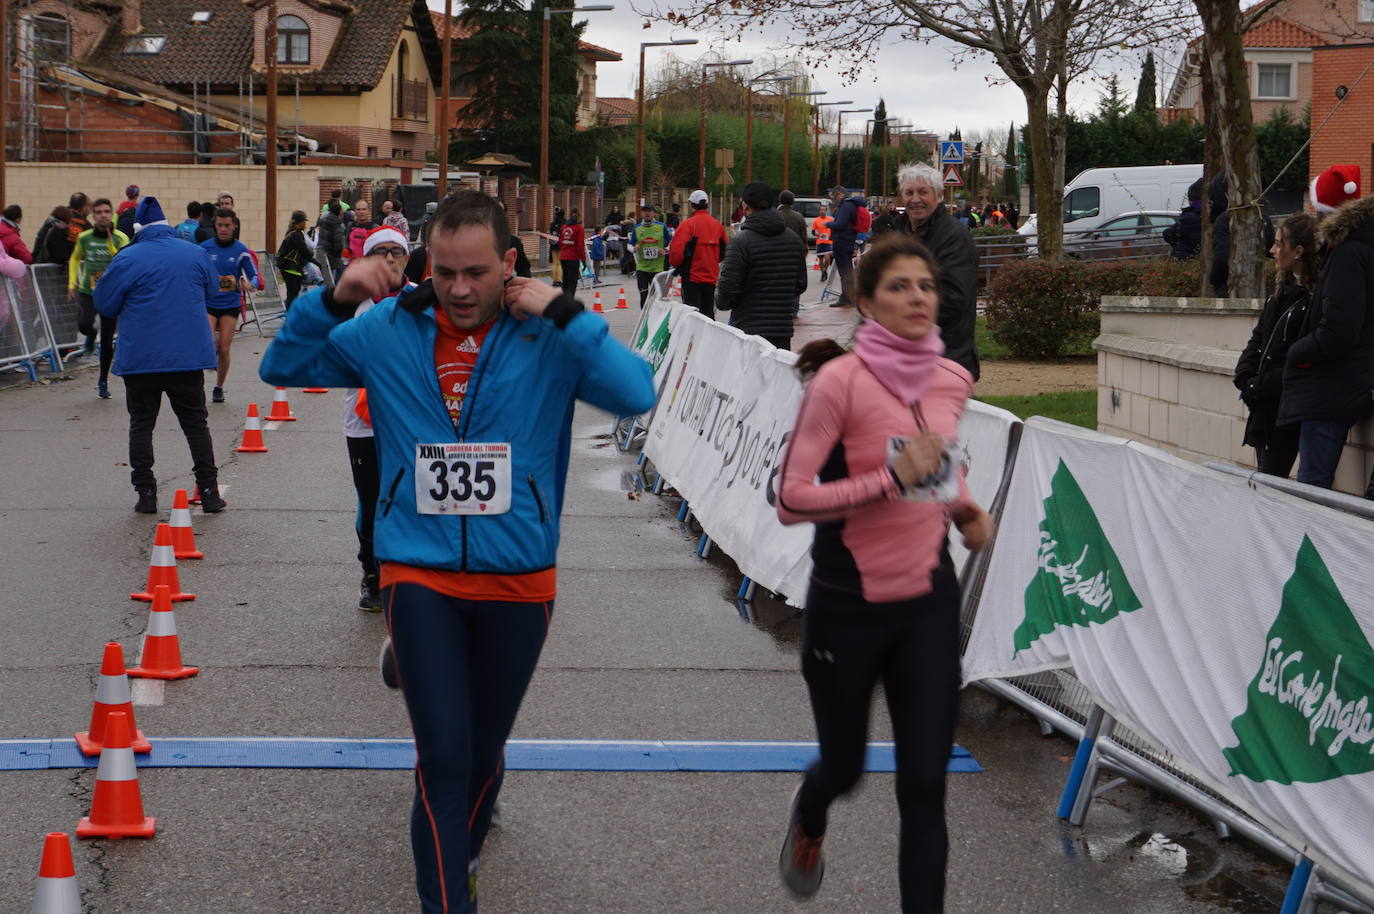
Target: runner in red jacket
[[696, 250], [572, 251]]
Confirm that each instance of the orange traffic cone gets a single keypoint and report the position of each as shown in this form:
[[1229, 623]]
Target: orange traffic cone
[[314, 390], [161, 654], [596, 304], [58, 891], [620, 303], [116, 807], [281, 409], [816, 265], [183, 537], [162, 569], [252, 433], [195, 496], [111, 697]]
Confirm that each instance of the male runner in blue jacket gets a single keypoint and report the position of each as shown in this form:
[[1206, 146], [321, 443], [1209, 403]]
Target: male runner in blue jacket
[[471, 381]]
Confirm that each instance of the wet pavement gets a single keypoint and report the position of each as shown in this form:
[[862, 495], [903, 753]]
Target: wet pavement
[[648, 642]]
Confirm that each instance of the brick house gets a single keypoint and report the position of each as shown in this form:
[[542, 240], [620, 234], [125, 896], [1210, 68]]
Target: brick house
[[1279, 53], [364, 70], [1348, 137]]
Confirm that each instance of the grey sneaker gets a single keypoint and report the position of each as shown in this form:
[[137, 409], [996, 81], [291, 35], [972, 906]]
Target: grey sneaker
[[801, 863], [391, 678], [217, 395], [369, 594]]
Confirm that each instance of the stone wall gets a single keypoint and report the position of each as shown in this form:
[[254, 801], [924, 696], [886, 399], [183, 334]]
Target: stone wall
[[1164, 368]]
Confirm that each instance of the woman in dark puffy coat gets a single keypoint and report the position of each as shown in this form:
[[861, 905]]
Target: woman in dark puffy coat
[[1259, 372]]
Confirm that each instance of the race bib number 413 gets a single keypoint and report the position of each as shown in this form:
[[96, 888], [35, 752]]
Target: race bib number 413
[[462, 478]]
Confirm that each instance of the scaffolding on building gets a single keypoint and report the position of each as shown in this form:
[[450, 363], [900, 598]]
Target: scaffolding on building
[[45, 64]]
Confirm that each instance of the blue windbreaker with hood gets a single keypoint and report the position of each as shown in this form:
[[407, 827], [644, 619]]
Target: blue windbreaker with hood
[[522, 392], [157, 289]]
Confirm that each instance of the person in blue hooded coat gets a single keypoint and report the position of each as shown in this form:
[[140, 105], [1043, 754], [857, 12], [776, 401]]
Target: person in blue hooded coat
[[157, 289]]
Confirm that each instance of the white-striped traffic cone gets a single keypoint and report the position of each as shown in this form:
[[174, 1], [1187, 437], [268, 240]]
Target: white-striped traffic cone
[[162, 569], [117, 806], [183, 534], [281, 408], [161, 654], [58, 891], [111, 697]]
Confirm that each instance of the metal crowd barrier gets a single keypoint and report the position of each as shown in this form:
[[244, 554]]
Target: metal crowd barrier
[[268, 303], [26, 337]]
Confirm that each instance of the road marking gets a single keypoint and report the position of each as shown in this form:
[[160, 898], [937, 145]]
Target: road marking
[[521, 754], [149, 692]]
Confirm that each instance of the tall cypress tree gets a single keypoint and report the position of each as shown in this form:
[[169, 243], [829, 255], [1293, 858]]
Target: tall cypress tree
[[880, 124], [1147, 92], [499, 69]]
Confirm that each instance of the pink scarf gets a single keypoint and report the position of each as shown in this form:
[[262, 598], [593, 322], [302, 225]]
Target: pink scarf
[[904, 367]]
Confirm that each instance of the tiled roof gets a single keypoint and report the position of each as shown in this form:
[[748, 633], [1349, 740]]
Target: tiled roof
[[609, 105], [597, 51], [221, 51], [1280, 33]]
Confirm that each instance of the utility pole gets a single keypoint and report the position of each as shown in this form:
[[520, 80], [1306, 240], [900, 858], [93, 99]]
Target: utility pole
[[839, 137], [270, 217], [639, 140], [816, 153], [544, 216], [786, 139], [445, 97], [749, 122], [701, 130]]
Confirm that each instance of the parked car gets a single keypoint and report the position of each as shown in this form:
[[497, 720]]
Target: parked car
[[1127, 235], [810, 208]]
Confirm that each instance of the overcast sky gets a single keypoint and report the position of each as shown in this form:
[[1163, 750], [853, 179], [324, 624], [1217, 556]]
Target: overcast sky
[[919, 81]]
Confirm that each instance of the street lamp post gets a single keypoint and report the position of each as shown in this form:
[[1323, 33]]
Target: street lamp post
[[816, 152], [639, 142], [701, 154], [868, 139], [839, 137], [787, 140], [898, 130], [544, 216], [445, 98], [888, 127], [749, 122]]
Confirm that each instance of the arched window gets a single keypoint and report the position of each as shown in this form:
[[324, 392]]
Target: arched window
[[293, 40], [402, 62]]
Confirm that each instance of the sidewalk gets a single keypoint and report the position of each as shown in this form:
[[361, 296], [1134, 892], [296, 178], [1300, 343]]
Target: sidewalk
[[647, 643]]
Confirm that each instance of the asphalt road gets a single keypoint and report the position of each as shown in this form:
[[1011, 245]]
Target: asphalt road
[[647, 643]]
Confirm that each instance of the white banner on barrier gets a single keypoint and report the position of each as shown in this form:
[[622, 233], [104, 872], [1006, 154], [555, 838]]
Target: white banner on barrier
[[985, 433], [719, 427], [1231, 626]]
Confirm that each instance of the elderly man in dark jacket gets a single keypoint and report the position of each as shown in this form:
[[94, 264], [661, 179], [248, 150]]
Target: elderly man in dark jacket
[[920, 188], [1329, 373], [763, 272]]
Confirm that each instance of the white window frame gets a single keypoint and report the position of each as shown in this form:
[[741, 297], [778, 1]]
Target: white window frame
[[1364, 10], [1292, 81]]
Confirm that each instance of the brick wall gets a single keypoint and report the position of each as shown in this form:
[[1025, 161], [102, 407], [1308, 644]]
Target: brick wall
[[324, 28], [1348, 137], [87, 28]]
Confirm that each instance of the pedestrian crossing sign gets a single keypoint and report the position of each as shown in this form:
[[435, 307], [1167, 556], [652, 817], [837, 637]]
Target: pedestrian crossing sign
[[952, 178], [952, 152]]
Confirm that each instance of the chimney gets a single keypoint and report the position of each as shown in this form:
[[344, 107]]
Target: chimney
[[131, 18]]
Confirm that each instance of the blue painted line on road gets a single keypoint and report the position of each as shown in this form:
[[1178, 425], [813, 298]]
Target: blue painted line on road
[[399, 755]]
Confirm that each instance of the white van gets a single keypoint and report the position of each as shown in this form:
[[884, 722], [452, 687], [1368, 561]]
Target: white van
[[1099, 194]]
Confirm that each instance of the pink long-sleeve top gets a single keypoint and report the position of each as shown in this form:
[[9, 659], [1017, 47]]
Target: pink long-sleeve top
[[12, 267], [869, 539]]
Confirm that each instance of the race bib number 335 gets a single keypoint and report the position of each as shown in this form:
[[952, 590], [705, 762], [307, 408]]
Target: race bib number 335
[[462, 478]]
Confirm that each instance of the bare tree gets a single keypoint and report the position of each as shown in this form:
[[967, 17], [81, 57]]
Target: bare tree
[[1040, 45]]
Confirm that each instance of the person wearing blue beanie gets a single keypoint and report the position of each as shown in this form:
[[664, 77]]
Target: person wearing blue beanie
[[157, 288]]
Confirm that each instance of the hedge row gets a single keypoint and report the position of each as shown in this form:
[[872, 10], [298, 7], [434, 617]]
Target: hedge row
[[1041, 310]]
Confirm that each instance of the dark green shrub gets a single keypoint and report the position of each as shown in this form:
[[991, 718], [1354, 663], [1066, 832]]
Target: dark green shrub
[[1041, 310]]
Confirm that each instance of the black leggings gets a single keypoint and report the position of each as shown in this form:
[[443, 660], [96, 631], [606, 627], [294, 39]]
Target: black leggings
[[912, 646], [362, 459], [86, 324], [293, 286], [572, 271]]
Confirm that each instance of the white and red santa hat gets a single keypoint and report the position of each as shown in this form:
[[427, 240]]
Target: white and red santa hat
[[383, 234], [1338, 184]]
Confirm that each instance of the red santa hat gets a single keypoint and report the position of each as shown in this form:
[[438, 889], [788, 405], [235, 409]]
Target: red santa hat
[[383, 234], [1338, 184]]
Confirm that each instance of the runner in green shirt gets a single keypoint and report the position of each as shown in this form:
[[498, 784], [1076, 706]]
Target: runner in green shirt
[[92, 253], [649, 243]]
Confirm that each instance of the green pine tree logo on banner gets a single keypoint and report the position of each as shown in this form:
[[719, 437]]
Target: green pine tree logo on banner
[[1309, 716], [1079, 579]]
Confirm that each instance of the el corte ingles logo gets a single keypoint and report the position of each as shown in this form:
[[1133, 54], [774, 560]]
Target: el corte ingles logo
[[1079, 579], [1309, 716]]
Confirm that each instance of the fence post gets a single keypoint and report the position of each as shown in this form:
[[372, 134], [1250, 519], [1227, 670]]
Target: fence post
[[1293, 899]]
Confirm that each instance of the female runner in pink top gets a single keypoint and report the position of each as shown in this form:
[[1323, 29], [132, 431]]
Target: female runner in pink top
[[872, 462]]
